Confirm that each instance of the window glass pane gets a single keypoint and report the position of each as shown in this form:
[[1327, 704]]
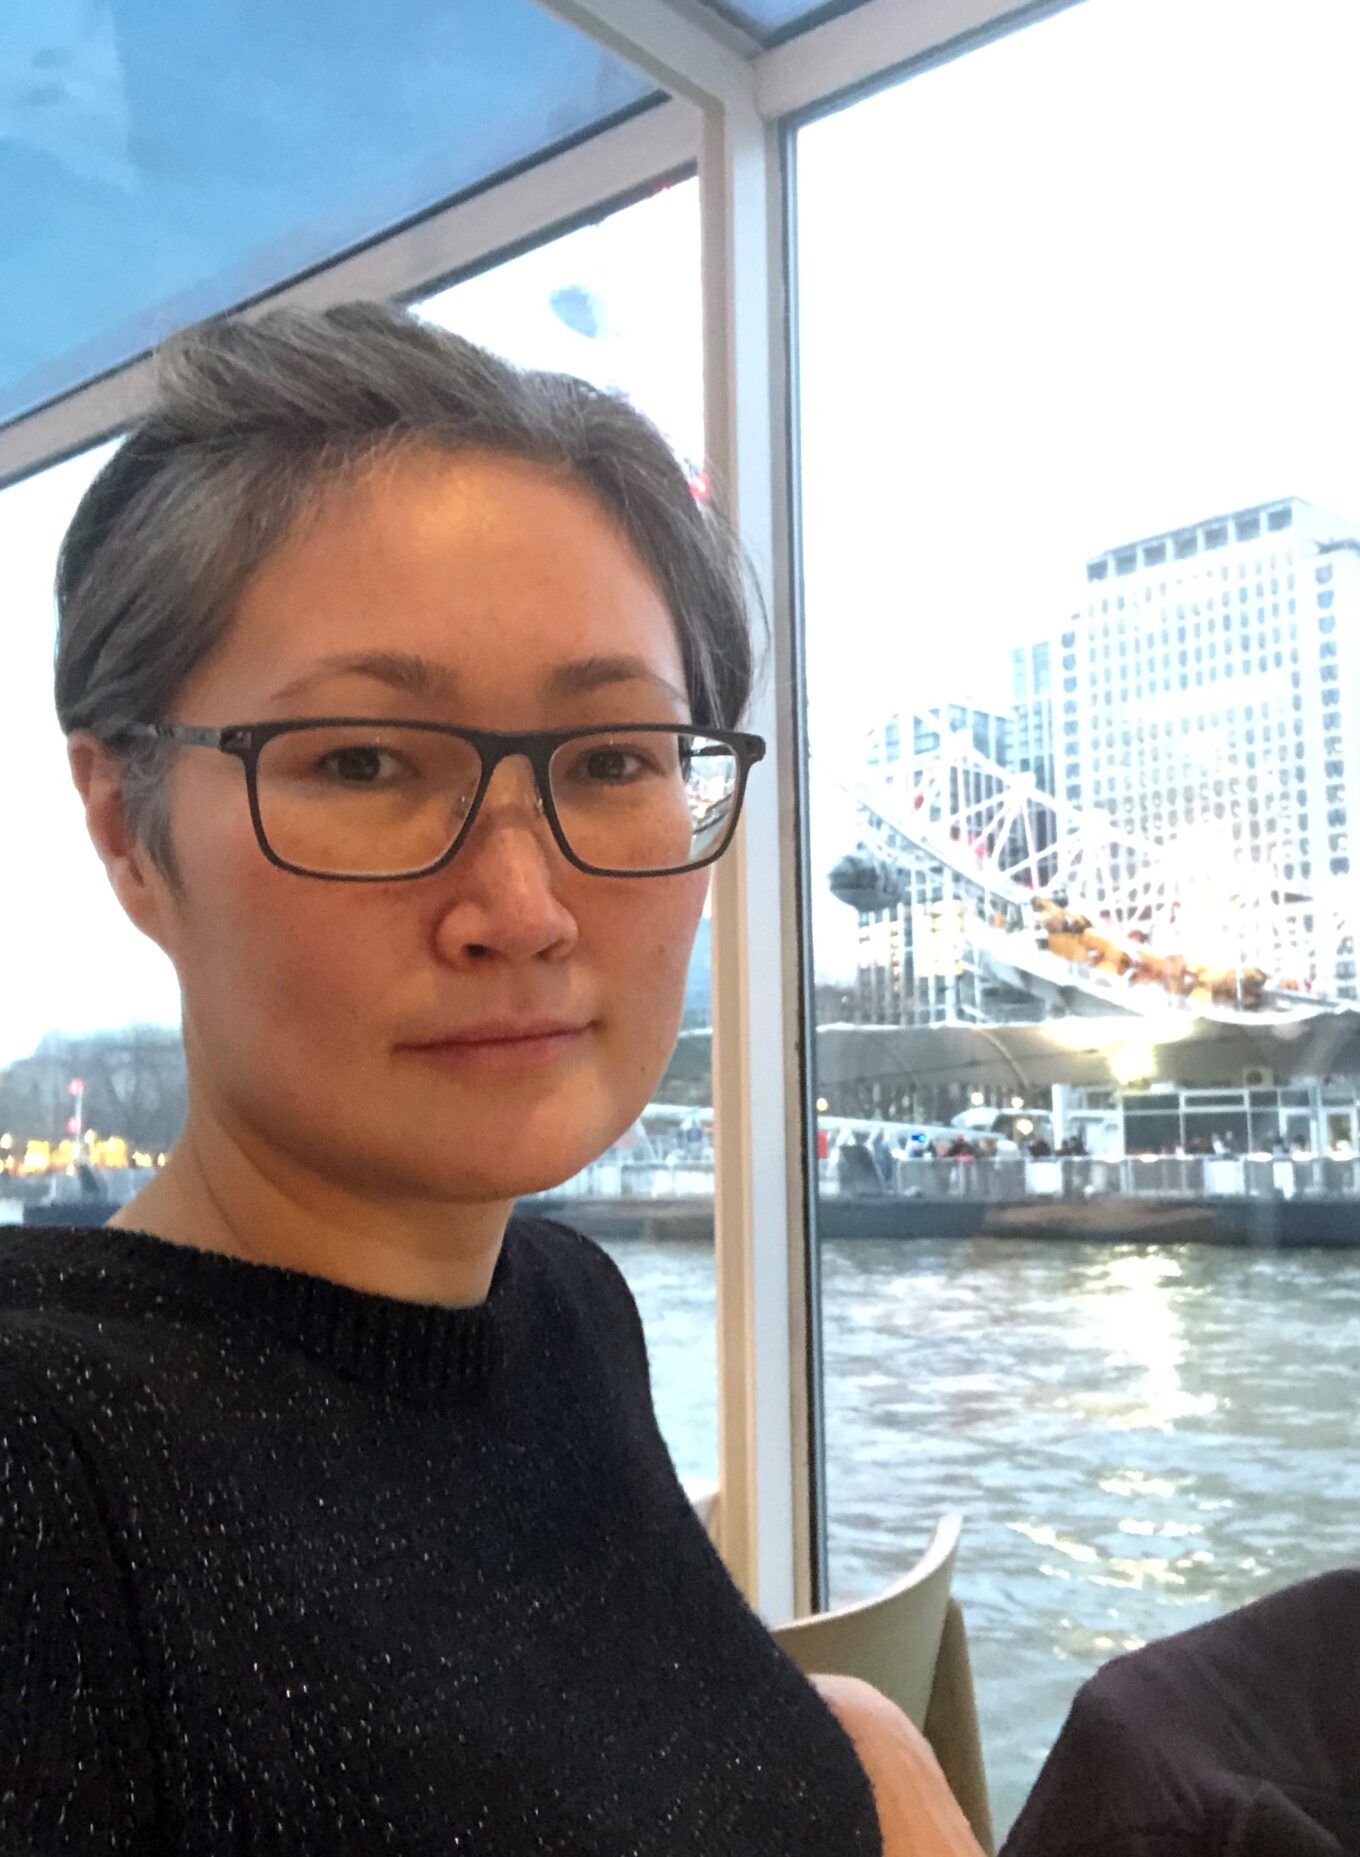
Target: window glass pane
[[618, 304], [160, 162], [85, 996], [1062, 898]]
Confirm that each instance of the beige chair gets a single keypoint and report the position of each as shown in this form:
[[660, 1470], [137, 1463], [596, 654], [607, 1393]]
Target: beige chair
[[910, 1643], [703, 1498]]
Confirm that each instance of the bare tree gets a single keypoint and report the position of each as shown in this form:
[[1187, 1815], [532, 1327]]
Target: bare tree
[[134, 1082]]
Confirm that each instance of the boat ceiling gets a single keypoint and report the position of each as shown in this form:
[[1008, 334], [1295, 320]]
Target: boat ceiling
[[772, 20], [163, 162]]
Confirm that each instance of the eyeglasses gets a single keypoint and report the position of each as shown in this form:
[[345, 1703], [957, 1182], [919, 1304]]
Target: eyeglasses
[[368, 801]]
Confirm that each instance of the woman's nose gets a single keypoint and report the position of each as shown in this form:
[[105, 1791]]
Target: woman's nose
[[503, 884]]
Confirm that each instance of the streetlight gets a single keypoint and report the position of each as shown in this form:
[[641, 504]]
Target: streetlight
[[75, 1123]]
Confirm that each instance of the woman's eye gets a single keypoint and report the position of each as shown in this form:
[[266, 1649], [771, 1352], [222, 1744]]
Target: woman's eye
[[358, 767], [611, 765]]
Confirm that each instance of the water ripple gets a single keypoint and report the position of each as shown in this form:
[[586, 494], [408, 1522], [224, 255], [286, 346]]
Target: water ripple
[[1138, 1438]]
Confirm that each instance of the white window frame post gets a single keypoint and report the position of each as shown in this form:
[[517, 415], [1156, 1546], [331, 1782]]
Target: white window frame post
[[760, 1194], [761, 1191]]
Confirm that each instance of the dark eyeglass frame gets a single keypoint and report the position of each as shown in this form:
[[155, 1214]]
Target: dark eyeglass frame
[[245, 741]]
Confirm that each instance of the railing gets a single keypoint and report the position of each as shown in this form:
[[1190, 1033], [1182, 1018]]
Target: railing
[[1000, 1177], [1136, 1176], [615, 1179], [1007, 1177]]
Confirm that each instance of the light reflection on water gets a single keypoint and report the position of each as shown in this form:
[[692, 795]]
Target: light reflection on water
[[1138, 1437]]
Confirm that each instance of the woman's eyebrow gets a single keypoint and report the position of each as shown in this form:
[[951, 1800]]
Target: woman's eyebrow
[[415, 675], [589, 674], [401, 670]]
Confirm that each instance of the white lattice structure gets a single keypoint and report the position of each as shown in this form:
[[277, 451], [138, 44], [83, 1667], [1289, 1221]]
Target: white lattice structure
[[1008, 841]]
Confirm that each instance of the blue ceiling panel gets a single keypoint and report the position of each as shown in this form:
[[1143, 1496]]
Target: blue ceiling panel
[[162, 160]]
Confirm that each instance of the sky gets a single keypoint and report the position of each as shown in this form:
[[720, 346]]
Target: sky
[[1089, 282]]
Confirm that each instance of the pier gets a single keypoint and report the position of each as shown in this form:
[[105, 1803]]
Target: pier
[[1245, 1200]]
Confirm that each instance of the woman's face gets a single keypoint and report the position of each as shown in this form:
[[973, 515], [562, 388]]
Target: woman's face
[[313, 1010]]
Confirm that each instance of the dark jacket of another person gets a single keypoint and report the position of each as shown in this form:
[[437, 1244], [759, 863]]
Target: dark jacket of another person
[[1239, 1738]]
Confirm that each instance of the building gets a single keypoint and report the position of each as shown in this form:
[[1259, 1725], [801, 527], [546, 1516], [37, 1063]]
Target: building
[[1201, 696], [915, 966], [1030, 737], [1204, 698]]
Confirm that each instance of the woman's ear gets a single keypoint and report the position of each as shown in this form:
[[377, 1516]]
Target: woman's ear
[[141, 889]]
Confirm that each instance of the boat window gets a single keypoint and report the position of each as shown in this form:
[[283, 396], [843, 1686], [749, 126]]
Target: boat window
[[997, 417]]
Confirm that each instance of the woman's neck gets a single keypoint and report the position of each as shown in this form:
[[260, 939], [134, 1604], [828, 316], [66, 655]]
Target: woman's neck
[[267, 1209]]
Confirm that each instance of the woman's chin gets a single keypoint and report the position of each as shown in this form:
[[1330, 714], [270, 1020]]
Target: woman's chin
[[488, 1184], [477, 1160]]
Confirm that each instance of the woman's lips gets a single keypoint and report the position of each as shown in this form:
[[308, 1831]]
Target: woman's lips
[[504, 1049]]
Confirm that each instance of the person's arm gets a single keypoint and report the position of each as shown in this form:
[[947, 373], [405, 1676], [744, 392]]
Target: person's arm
[[74, 1772], [917, 1813]]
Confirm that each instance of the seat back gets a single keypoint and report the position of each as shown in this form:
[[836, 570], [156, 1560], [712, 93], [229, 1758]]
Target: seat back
[[951, 1727], [909, 1643], [892, 1640]]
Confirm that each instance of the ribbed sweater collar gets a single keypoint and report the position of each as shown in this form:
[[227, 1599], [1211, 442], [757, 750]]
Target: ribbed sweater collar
[[414, 1350]]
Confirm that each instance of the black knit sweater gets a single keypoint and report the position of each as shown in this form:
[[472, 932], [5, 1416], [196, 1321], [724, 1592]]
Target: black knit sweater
[[286, 1567]]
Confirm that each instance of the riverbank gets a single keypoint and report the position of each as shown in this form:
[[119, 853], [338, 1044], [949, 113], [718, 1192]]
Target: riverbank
[[1241, 1220]]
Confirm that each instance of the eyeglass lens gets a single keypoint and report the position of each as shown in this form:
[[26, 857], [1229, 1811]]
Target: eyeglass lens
[[365, 800]]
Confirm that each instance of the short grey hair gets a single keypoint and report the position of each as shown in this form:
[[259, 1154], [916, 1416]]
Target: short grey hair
[[253, 420]]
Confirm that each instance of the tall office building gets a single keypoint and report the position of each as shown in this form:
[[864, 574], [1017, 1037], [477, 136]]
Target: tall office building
[[1208, 695], [1207, 698], [1030, 735]]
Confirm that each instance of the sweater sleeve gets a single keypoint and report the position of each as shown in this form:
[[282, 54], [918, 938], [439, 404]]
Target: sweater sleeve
[[75, 1773]]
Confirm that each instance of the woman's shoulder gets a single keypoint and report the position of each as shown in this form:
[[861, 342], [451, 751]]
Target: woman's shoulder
[[578, 1275], [51, 1363], [569, 1257], [47, 1492], [72, 1742], [74, 1339]]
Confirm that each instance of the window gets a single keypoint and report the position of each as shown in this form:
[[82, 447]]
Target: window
[[956, 283], [86, 1026]]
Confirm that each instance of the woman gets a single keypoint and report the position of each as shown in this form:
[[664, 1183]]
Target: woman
[[400, 691]]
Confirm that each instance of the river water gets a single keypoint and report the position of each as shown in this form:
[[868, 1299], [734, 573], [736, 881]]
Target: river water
[[1138, 1438]]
